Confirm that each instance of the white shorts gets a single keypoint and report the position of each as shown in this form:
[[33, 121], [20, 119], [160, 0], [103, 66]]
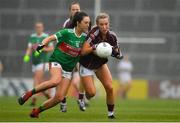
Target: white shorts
[[65, 74], [85, 71], [41, 66], [125, 78], [74, 74]]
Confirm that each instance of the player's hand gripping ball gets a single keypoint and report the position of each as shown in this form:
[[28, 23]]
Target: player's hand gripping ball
[[104, 50]]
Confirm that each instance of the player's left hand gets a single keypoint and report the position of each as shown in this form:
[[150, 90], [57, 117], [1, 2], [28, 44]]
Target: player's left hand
[[116, 54], [36, 53], [40, 47], [94, 46]]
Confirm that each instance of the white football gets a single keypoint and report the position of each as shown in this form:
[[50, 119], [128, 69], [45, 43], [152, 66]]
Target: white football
[[103, 50]]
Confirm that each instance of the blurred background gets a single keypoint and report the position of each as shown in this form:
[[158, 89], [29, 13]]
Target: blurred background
[[148, 31]]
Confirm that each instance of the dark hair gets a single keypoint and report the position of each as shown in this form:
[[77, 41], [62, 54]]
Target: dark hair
[[78, 17], [73, 3]]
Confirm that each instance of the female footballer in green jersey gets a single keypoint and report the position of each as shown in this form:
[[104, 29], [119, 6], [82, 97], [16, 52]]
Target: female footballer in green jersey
[[62, 62], [73, 8]]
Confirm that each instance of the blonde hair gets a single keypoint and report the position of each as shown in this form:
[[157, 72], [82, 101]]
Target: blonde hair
[[101, 16], [73, 3]]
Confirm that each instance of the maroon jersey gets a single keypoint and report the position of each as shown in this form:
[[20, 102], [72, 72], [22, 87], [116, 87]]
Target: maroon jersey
[[68, 24], [92, 61]]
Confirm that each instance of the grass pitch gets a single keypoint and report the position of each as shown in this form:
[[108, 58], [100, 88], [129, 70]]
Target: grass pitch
[[125, 110]]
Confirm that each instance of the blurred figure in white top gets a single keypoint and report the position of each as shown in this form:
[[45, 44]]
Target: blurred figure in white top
[[125, 68]]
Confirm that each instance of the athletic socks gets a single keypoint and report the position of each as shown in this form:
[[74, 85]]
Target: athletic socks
[[33, 91], [41, 108], [64, 100], [81, 96], [110, 109]]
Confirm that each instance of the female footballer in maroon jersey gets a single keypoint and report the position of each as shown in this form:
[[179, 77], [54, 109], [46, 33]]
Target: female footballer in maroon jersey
[[90, 63]]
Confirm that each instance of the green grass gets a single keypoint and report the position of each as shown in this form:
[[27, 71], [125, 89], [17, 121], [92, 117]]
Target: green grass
[[125, 110]]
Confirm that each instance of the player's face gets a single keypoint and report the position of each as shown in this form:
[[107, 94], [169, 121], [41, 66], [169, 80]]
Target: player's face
[[84, 24], [74, 8], [103, 25], [39, 28]]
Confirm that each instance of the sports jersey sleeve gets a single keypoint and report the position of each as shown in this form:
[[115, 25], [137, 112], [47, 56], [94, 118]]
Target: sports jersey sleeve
[[114, 42], [91, 35], [115, 45], [65, 23], [60, 35]]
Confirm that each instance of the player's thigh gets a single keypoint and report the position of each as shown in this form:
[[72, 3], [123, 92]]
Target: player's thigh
[[104, 75], [88, 83], [38, 74], [75, 78], [86, 79], [55, 74], [38, 70]]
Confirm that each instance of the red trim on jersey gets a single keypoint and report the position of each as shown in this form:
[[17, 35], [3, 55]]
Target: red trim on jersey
[[68, 49]]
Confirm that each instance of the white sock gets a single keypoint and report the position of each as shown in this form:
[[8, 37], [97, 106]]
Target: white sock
[[110, 113], [63, 103]]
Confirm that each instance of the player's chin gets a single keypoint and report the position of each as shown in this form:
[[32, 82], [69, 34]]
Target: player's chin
[[104, 31], [85, 30]]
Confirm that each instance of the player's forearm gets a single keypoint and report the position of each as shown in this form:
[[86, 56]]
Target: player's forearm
[[48, 48], [48, 39], [28, 51], [86, 49]]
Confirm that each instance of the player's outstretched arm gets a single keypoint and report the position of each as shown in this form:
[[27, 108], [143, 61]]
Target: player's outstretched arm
[[26, 57], [45, 42], [48, 48], [87, 48], [116, 52]]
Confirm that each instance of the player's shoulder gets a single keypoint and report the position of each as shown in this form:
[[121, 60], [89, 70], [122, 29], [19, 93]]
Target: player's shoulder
[[69, 30], [65, 30], [33, 35], [67, 20], [45, 34], [94, 31], [112, 33], [94, 28], [65, 23]]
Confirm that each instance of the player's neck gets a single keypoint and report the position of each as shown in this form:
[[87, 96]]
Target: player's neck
[[103, 36], [39, 34], [77, 31]]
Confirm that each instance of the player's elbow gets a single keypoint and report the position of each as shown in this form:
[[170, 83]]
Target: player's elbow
[[51, 48], [83, 53]]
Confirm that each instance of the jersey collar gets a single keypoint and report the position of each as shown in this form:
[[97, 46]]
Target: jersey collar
[[76, 34], [40, 35]]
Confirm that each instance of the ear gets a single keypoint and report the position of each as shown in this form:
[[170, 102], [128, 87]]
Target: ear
[[77, 23]]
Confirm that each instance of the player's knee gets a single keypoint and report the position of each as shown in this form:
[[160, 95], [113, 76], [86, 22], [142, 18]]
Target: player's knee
[[55, 81], [59, 97], [91, 94], [109, 89]]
